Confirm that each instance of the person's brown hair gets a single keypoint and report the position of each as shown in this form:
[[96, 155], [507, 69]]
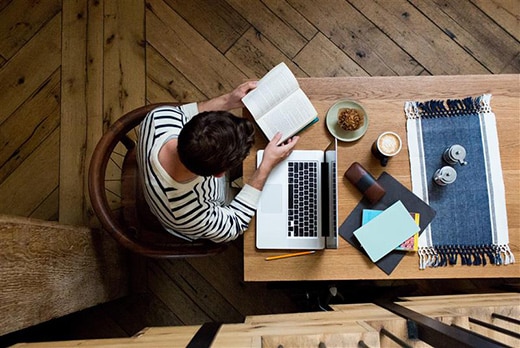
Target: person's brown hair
[[214, 141]]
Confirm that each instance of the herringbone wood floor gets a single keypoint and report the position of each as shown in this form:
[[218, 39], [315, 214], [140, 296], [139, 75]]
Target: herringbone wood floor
[[68, 68]]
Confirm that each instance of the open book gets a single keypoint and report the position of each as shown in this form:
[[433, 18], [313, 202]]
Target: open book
[[279, 105]]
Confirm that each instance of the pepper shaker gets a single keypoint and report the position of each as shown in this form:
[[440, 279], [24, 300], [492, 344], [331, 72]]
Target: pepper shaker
[[455, 154]]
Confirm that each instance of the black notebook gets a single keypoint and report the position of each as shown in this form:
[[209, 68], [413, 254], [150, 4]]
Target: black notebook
[[395, 191]]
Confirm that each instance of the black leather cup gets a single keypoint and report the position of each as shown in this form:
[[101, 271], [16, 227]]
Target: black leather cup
[[364, 182]]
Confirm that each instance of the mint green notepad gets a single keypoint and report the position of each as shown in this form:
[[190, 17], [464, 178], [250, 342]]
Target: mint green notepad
[[386, 231]]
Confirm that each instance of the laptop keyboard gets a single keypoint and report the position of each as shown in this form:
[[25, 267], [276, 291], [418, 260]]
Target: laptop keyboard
[[303, 199]]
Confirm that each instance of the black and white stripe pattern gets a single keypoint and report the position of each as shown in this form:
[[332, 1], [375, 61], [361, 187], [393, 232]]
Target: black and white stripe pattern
[[189, 210]]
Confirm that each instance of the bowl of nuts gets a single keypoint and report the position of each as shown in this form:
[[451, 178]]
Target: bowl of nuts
[[347, 120]]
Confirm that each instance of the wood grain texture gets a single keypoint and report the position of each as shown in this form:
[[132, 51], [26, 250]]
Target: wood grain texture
[[360, 39], [188, 51], [94, 93], [49, 270], [420, 37], [315, 340], [33, 186], [251, 47], [166, 83], [271, 27], [292, 17], [346, 326], [30, 68], [321, 58], [503, 12], [137, 52], [25, 130], [227, 25], [383, 99], [21, 20], [473, 31], [124, 54], [73, 138]]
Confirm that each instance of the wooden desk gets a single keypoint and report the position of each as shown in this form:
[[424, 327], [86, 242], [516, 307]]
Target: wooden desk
[[383, 99]]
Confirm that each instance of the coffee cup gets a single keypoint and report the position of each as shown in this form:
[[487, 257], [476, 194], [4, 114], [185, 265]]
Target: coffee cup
[[387, 145]]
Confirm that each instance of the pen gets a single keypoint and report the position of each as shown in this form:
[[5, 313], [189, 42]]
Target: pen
[[290, 255]]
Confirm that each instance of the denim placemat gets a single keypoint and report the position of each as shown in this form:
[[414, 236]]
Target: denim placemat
[[471, 222]]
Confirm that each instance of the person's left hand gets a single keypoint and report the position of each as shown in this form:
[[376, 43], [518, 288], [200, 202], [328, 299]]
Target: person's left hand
[[228, 101], [235, 97]]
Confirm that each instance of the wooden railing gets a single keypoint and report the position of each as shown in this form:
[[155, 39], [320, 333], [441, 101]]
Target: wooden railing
[[479, 320]]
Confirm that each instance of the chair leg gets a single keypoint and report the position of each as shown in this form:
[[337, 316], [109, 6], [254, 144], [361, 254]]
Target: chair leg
[[138, 273]]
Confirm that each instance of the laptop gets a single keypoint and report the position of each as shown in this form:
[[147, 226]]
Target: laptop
[[298, 208]]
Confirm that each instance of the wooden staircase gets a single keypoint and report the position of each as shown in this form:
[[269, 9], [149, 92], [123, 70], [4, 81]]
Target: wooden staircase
[[484, 320], [49, 270]]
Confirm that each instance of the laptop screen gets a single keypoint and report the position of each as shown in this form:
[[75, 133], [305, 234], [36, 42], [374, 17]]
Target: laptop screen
[[330, 231]]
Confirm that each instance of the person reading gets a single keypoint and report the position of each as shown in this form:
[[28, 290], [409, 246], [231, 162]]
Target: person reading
[[183, 155]]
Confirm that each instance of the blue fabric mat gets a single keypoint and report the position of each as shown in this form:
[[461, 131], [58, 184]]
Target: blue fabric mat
[[471, 222]]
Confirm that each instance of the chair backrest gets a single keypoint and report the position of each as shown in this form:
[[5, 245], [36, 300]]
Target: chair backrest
[[134, 226]]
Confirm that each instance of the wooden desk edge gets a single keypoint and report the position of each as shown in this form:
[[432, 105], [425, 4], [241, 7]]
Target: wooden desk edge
[[505, 90]]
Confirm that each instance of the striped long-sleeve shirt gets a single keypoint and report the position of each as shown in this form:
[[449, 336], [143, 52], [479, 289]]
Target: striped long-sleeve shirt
[[195, 209]]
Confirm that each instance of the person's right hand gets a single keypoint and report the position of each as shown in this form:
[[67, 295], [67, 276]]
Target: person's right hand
[[274, 154]]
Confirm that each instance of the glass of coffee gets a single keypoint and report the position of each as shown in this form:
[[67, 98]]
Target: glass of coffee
[[387, 145]]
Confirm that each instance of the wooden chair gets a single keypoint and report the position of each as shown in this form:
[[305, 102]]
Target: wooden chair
[[126, 216]]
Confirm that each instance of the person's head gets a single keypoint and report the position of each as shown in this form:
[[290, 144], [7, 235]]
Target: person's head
[[215, 141]]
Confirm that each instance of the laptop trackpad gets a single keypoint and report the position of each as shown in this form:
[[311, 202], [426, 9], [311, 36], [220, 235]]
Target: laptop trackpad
[[272, 199]]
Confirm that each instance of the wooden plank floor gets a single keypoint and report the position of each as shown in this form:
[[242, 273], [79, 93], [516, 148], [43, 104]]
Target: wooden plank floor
[[69, 68]]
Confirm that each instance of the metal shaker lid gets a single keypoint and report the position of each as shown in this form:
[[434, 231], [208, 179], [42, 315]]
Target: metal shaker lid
[[458, 153], [446, 174]]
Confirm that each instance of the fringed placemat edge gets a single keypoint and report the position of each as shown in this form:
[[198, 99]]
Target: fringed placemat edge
[[437, 256]]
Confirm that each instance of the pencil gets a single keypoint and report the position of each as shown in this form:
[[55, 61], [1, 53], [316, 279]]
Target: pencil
[[290, 255]]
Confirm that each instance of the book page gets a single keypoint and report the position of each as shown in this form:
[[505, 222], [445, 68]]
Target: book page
[[271, 90], [288, 117]]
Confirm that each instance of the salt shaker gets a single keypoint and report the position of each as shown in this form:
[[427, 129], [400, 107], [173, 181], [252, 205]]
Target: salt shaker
[[455, 154], [445, 176]]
